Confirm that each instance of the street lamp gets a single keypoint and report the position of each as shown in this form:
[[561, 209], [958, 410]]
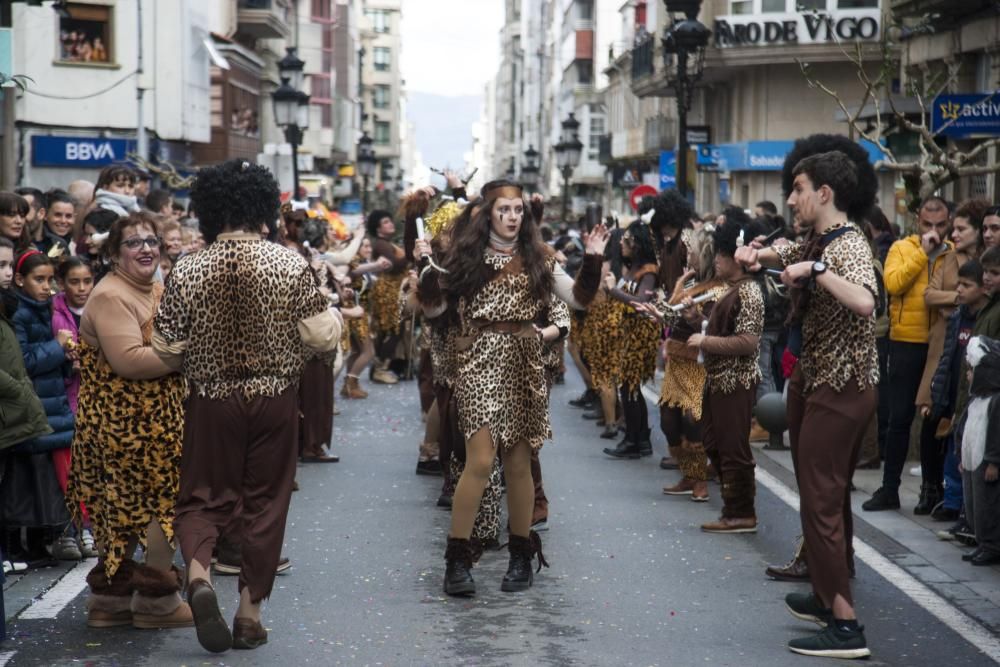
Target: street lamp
[[529, 172], [684, 45], [288, 114], [291, 67], [568, 152], [366, 165]]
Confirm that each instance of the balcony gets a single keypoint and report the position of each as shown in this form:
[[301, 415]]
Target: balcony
[[661, 134], [642, 59], [946, 9], [604, 150], [263, 19]]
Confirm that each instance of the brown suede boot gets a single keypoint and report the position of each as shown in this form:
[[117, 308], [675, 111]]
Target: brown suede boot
[[109, 603], [352, 388], [157, 602]]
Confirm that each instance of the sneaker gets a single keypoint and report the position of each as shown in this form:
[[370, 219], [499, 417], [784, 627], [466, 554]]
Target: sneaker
[[882, 499], [88, 549], [65, 548], [232, 569], [807, 607], [540, 526], [916, 471], [833, 642]]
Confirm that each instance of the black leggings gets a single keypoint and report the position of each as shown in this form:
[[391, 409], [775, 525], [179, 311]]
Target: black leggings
[[387, 345], [636, 415], [676, 426]]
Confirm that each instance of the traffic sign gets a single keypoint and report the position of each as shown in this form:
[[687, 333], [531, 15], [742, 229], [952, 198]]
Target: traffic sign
[[640, 192]]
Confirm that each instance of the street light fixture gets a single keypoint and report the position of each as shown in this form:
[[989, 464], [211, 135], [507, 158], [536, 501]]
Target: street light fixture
[[568, 153], [366, 165], [291, 112], [530, 170], [291, 67], [684, 45]]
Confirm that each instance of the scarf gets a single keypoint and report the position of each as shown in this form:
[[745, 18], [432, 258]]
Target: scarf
[[498, 244], [120, 204]]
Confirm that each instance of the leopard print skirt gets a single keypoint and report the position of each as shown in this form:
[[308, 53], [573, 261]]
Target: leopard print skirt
[[601, 343], [384, 298], [640, 340], [683, 384], [487, 524], [126, 455]]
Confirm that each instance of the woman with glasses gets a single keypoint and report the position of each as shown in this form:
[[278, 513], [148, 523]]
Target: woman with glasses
[[127, 449]]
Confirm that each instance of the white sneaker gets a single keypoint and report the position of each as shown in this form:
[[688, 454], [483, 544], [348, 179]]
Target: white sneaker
[[65, 548], [915, 471], [88, 549]]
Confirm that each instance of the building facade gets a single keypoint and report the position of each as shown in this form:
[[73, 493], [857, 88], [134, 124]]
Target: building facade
[[381, 99]]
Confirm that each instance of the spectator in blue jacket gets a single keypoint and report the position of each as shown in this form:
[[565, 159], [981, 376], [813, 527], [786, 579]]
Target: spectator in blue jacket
[[48, 360]]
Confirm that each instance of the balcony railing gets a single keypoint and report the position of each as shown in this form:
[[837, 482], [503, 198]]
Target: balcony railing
[[263, 19], [948, 9], [642, 59], [661, 134]]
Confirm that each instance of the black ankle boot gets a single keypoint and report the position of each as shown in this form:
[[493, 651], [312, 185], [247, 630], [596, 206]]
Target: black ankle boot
[[586, 400], [930, 495], [519, 575], [626, 449], [458, 568], [644, 444]]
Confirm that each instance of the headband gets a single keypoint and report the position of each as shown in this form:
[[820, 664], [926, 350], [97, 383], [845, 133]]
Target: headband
[[25, 256], [506, 191]]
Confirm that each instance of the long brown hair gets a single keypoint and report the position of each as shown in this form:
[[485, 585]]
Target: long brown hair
[[470, 236]]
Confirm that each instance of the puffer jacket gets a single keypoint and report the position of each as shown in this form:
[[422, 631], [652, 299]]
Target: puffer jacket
[[907, 273], [62, 318], [22, 416], [944, 384], [46, 364]]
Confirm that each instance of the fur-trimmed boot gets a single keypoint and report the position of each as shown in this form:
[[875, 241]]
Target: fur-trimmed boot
[[109, 603], [157, 602], [458, 568], [519, 576], [352, 389]]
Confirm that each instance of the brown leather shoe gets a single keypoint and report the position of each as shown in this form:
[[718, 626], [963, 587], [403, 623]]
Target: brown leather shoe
[[213, 633], [353, 390], [699, 493], [685, 487], [728, 525], [248, 633], [795, 570], [758, 433]]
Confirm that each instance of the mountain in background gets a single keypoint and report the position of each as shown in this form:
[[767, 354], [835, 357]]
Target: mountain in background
[[443, 127]]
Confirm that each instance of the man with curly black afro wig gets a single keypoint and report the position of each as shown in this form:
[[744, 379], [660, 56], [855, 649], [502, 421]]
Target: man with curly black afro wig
[[239, 319], [856, 202], [672, 214]]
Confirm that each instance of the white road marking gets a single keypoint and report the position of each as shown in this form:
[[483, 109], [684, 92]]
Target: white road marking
[[6, 656], [56, 598], [961, 623]]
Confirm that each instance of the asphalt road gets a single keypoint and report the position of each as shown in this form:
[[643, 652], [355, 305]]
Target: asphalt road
[[632, 580]]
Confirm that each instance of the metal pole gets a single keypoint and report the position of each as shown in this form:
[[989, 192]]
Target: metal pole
[[682, 103], [141, 140], [293, 136], [364, 195], [565, 205]]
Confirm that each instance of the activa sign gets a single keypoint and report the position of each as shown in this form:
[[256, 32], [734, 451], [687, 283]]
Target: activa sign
[[799, 28], [78, 151], [966, 115]]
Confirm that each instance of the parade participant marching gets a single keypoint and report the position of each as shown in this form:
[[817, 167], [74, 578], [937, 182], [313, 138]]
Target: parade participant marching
[[239, 319], [730, 343], [125, 466], [498, 276], [832, 394], [363, 273], [683, 377], [384, 297], [640, 335]]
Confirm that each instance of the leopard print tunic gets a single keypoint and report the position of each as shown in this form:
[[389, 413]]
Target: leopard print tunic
[[501, 378], [640, 337], [358, 329], [837, 345], [126, 455]]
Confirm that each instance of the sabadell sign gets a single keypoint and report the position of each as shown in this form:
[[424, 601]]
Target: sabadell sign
[[807, 27]]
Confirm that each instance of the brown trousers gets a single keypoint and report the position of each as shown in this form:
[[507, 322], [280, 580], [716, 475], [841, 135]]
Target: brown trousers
[[725, 422], [239, 456], [825, 430], [425, 381], [315, 397]]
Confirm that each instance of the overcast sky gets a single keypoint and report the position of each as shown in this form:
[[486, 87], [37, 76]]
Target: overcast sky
[[450, 47]]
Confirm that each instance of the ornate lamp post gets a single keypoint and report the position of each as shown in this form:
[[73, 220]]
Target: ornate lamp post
[[684, 45], [366, 165], [568, 152], [530, 170], [291, 108]]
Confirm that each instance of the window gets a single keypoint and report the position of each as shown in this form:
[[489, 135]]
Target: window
[[85, 34], [320, 86], [380, 99], [741, 7], [382, 132], [243, 116], [379, 19], [773, 6], [382, 58], [586, 9], [326, 50], [321, 9], [802, 5], [857, 4], [597, 126]]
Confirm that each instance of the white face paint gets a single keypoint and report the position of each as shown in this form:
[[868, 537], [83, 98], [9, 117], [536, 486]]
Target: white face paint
[[506, 218]]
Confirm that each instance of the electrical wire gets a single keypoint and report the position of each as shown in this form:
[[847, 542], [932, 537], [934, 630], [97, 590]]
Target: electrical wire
[[83, 97]]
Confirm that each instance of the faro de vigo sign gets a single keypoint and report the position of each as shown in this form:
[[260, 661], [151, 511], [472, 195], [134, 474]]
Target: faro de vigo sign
[[797, 28]]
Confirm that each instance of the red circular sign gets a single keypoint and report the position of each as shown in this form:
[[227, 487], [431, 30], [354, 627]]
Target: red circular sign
[[638, 193]]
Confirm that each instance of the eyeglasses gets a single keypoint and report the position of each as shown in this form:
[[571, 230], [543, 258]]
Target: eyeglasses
[[136, 243]]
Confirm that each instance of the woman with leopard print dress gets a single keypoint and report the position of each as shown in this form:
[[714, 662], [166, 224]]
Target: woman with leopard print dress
[[125, 464], [498, 278]]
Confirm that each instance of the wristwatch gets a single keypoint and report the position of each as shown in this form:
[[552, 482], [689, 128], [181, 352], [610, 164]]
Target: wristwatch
[[818, 269]]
